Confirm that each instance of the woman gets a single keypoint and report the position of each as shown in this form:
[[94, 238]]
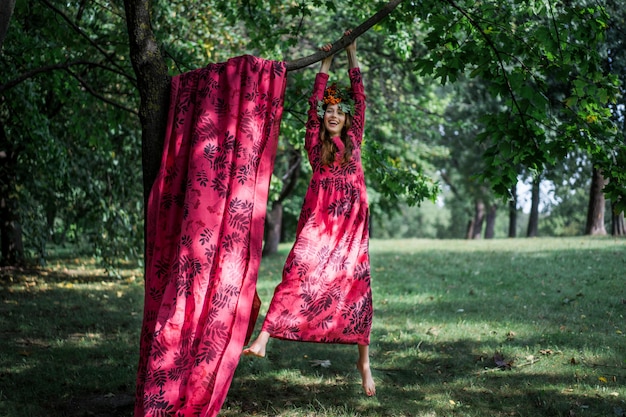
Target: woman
[[325, 294]]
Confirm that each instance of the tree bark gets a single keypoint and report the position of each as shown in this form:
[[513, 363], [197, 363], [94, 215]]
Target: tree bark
[[618, 226], [6, 11], [595, 210], [153, 83], [490, 225], [533, 220], [273, 227], [479, 219], [11, 244], [513, 212]]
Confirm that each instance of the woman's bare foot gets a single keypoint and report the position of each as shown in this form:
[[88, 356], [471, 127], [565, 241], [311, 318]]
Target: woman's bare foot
[[363, 365], [369, 386], [257, 348]]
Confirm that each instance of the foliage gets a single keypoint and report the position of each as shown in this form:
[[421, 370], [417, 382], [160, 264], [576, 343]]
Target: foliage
[[67, 110], [545, 61]]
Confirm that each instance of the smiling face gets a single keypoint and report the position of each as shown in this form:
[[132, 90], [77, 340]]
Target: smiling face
[[334, 119]]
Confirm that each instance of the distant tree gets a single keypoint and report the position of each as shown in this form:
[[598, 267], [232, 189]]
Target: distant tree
[[595, 212]]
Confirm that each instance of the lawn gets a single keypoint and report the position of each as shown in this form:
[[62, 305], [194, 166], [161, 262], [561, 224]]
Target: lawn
[[524, 327]]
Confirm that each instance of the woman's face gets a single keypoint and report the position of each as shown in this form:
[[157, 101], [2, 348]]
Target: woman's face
[[334, 119]]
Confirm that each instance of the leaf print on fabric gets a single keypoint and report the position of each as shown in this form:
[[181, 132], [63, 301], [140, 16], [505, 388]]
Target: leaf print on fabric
[[182, 365], [315, 305], [230, 241], [202, 178], [171, 173], [338, 261], [205, 236], [167, 200], [158, 406], [209, 153], [158, 378], [340, 207], [183, 285], [223, 299], [220, 162], [162, 268], [186, 241], [239, 214], [229, 142], [221, 107], [206, 130], [285, 324], [214, 340], [362, 272], [210, 252], [158, 350], [220, 185], [359, 316], [191, 265], [242, 174]]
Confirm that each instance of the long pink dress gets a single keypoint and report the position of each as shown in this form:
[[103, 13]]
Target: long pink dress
[[325, 294]]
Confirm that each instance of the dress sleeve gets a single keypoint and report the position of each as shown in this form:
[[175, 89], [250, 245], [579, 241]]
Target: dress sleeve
[[313, 122], [358, 93]]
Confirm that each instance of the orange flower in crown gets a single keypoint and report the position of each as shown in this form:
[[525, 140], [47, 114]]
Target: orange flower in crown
[[335, 95]]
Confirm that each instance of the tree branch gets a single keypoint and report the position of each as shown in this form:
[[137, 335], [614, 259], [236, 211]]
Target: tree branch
[[345, 40], [53, 67], [99, 96], [108, 56]]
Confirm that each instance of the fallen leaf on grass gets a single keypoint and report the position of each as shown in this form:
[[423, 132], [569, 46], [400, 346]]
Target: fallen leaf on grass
[[324, 363], [501, 362], [549, 352], [603, 379]]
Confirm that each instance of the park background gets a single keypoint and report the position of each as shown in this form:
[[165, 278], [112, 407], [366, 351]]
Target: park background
[[486, 122]]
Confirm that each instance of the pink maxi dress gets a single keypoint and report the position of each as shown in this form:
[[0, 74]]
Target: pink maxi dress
[[325, 293]]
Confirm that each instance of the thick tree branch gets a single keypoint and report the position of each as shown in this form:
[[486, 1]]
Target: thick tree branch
[[345, 40]]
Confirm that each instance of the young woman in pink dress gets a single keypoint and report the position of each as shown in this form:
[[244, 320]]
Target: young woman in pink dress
[[325, 294]]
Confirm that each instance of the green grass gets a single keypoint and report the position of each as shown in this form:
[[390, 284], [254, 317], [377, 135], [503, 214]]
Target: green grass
[[552, 308]]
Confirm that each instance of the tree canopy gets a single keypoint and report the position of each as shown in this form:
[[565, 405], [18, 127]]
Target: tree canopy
[[483, 92]]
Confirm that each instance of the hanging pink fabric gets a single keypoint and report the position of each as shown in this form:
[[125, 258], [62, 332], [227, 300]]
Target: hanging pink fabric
[[205, 222]]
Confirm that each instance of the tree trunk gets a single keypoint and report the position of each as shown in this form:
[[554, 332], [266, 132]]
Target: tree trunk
[[490, 225], [618, 227], [533, 220], [273, 227], [6, 11], [470, 229], [595, 210], [479, 219], [11, 246], [513, 212]]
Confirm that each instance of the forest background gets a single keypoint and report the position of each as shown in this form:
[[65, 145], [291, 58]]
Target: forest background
[[485, 119]]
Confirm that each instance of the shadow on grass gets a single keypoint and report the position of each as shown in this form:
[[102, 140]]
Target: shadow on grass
[[68, 350], [69, 343], [445, 379]]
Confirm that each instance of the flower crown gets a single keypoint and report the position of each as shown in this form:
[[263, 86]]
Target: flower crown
[[335, 95]]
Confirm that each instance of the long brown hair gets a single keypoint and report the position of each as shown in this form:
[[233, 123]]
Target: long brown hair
[[328, 146]]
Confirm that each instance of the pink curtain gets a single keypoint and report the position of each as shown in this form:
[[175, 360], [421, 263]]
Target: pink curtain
[[205, 221]]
